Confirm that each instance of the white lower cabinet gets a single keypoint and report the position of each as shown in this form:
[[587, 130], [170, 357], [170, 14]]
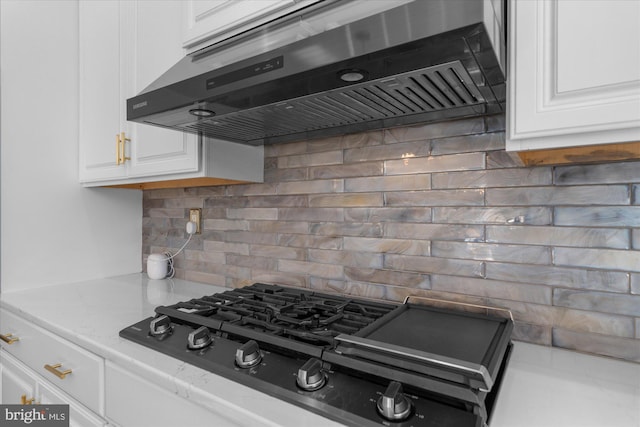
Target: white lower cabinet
[[21, 385], [134, 401]]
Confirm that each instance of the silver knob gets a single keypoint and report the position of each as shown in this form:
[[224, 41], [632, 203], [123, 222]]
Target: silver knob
[[248, 355], [200, 338], [393, 404], [160, 325], [311, 377]]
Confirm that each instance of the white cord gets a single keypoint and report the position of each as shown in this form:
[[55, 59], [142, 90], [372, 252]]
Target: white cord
[[191, 229], [179, 250]]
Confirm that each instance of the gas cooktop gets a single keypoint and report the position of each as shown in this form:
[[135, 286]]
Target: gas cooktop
[[357, 361]]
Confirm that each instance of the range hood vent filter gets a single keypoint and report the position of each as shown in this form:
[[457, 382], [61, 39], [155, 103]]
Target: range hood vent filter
[[431, 89]]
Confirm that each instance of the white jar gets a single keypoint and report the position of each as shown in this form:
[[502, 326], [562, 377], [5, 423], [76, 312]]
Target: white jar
[[157, 266]]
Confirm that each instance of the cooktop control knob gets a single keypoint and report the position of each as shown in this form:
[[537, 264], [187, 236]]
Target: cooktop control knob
[[160, 325], [248, 355], [311, 377], [393, 404], [199, 338]]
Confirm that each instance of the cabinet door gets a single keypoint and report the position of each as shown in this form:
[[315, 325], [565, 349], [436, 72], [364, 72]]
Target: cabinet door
[[101, 109], [14, 382], [18, 380], [214, 20], [574, 74], [155, 33], [154, 406], [78, 415]]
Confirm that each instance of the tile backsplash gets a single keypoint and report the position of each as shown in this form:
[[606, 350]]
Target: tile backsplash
[[439, 210]]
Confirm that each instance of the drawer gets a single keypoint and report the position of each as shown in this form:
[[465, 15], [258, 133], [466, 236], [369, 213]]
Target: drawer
[[15, 373], [38, 348], [134, 401]]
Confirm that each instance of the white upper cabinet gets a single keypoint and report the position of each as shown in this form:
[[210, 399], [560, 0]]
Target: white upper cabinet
[[124, 47], [210, 21], [154, 28], [574, 73], [102, 111]]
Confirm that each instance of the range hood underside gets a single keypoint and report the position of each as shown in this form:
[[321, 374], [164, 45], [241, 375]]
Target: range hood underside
[[449, 75], [429, 94]]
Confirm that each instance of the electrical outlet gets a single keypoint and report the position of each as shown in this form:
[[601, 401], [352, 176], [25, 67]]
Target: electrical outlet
[[195, 215]]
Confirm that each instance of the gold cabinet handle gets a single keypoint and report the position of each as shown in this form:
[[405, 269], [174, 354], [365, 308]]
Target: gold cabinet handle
[[25, 401], [120, 141], [54, 370], [9, 338], [118, 160]]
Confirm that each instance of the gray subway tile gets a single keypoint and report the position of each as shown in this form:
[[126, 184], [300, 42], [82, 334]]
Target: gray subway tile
[[310, 214], [433, 265], [278, 226], [450, 162], [252, 213], [635, 283], [492, 252], [575, 278], [225, 224], [314, 159], [331, 271], [240, 236], [610, 216], [346, 200], [346, 229], [434, 231], [284, 175], [495, 122], [435, 198], [493, 215], [310, 241], [390, 214], [532, 293], [532, 333], [392, 246], [387, 277], [346, 258], [635, 238], [468, 143], [571, 195], [603, 302], [515, 177], [277, 201], [388, 183], [277, 252], [610, 259], [563, 317], [559, 236], [503, 159], [346, 171], [310, 187], [435, 130], [609, 173], [387, 151]]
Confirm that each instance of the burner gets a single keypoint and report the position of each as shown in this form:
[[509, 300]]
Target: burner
[[357, 361]]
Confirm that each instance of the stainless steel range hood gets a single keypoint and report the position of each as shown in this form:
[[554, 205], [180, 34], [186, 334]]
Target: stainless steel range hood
[[422, 61]]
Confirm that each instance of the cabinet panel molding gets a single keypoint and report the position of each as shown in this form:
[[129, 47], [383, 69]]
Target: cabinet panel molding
[[574, 80]]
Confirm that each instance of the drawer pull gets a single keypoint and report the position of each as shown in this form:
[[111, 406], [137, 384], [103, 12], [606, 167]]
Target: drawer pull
[[54, 370], [9, 338], [25, 401]]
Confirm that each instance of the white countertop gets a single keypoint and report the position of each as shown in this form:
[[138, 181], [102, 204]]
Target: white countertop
[[543, 387]]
